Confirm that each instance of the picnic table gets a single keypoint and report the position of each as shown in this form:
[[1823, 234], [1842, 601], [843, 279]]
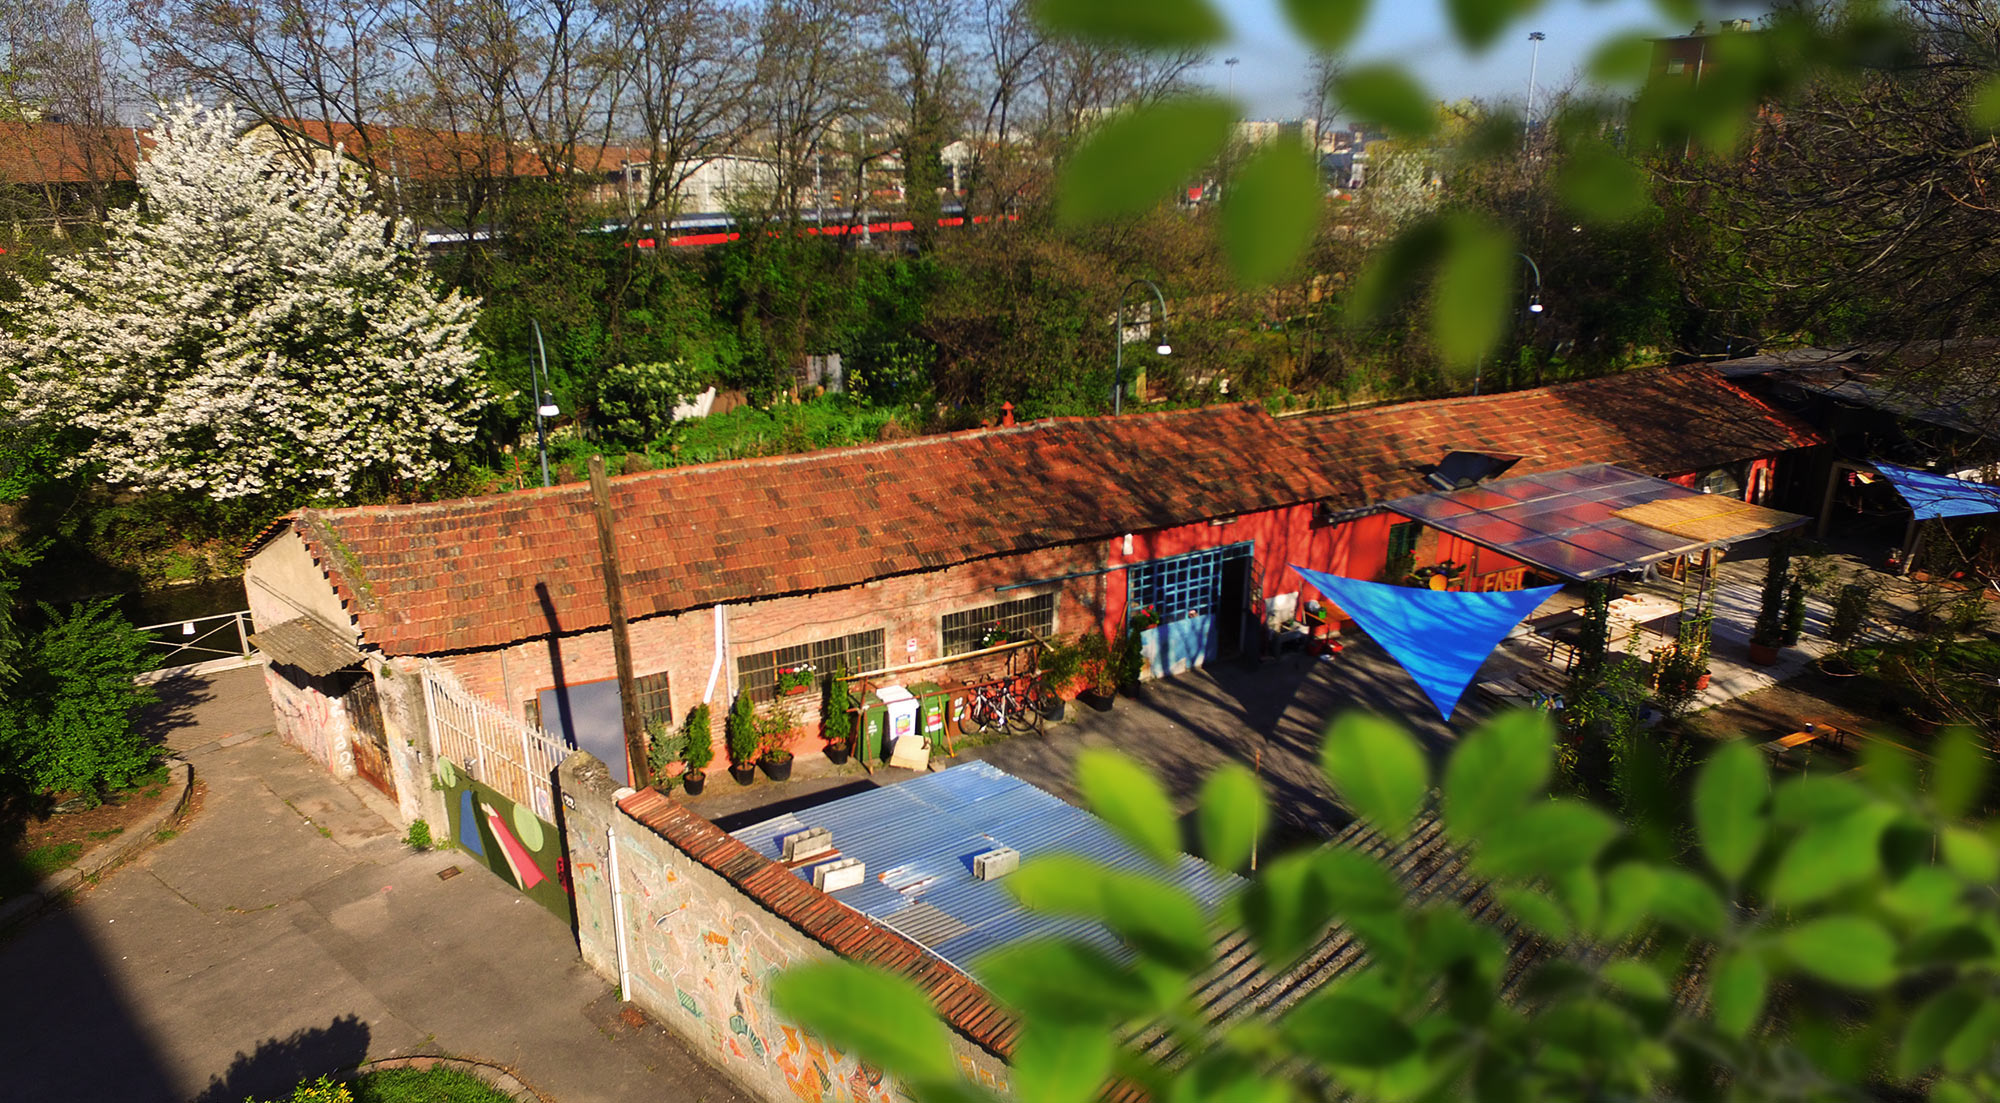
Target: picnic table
[[1813, 733]]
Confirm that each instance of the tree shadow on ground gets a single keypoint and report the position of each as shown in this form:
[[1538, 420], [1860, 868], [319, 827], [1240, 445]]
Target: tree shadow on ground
[[173, 707], [278, 1064]]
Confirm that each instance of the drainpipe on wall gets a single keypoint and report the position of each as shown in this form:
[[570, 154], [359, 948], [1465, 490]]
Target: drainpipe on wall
[[618, 916], [721, 648]]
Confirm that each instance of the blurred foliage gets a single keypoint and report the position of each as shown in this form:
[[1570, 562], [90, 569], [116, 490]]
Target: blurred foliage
[[1814, 938]]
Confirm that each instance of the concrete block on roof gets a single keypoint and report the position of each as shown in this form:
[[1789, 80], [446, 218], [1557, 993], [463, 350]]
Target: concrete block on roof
[[842, 874]]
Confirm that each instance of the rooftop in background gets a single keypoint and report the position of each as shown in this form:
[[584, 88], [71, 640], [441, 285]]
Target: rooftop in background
[[68, 153], [447, 576], [1951, 384], [1592, 521], [1662, 421], [918, 840]]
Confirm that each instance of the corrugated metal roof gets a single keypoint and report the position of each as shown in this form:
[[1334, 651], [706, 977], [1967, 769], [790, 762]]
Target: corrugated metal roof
[[918, 840], [307, 644]]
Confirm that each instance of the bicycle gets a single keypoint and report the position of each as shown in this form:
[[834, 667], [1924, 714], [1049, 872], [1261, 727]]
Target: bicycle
[[1010, 704]]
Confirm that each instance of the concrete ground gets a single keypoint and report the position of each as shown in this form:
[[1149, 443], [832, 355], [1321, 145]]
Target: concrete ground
[[286, 932]]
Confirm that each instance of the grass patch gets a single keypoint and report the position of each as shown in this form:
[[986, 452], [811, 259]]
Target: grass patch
[[432, 1085], [44, 860], [165, 834], [107, 833]]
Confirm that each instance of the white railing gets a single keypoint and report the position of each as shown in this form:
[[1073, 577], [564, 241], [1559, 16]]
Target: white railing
[[199, 645], [512, 756]]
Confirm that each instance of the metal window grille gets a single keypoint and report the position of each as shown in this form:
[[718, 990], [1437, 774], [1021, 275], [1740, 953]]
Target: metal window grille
[[1403, 539], [757, 674], [965, 631], [1183, 585]]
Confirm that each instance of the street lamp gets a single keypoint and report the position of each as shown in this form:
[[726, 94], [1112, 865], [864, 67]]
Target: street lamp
[[1535, 57], [545, 400], [1534, 307], [1164, 349]]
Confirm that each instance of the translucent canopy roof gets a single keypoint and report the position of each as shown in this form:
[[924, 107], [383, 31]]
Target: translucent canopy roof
[[1570, 522]]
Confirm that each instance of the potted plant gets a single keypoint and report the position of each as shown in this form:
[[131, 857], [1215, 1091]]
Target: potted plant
[[796, 679], [740, 732], [1769, 633], [664, 748], [1128, 663], [697, 749], [1058, 668], [1098, 686], [835, 725], [774, 735], [1146, 617]]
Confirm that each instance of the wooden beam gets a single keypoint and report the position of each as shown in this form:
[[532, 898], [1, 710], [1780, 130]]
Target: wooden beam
[[621, 643]]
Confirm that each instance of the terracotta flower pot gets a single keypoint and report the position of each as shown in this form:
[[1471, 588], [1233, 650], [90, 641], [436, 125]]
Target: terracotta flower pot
[[1701, 682], [1763, 654]]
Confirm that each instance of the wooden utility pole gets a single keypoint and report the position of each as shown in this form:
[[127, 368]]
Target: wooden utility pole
[[621, 644]]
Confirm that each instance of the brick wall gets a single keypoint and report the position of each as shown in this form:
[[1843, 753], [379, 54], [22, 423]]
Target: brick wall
[[909, 610], [708, 923]]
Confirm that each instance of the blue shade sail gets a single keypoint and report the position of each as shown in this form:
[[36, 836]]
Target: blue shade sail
[[1441, 637], [1932, 496]]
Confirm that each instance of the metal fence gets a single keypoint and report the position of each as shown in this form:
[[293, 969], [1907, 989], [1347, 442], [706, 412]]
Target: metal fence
[[512, 756], [200, 645]]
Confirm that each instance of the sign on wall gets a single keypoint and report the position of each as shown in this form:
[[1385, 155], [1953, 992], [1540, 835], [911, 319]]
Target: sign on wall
[[520, 847]]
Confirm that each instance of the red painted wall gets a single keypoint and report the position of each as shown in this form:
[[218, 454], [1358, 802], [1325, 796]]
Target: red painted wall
[[1282, 537]]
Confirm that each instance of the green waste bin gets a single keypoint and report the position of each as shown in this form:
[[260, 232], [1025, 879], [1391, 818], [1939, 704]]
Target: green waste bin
[[935, 704], [874, 721]]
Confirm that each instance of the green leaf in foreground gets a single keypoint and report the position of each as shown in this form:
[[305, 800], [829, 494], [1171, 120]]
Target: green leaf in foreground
[[1129, 798], [1270, 211], [1847, 950], [1728, 807], [1060, 1065], [1960, 771], [1471, 300], [1233, 815], [1496, 771], [1736, 987], [1985, 106], [1150, 24], [1135, 161], [900, 1030], [1549, 838], [1389, 97], [1327, 24], [1377, 769], [1340, 1029], [1066, 982], [1602, 186]]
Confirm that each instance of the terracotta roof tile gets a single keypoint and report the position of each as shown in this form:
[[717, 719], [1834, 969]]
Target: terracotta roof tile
[[1662, 421], [446, 576]]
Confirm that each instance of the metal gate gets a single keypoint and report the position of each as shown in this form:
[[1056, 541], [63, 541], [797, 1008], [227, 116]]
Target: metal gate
[[1185, 593]]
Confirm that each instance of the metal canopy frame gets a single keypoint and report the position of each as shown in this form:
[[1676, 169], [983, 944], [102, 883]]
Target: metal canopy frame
[[1565, 521]]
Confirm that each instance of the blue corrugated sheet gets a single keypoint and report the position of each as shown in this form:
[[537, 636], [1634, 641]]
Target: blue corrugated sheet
[[918, 840]]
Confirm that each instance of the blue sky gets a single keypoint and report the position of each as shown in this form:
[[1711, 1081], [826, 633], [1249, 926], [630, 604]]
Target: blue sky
[[1271, 75]]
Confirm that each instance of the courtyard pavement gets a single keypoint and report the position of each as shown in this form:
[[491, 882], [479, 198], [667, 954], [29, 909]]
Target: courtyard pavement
[[285, 932]]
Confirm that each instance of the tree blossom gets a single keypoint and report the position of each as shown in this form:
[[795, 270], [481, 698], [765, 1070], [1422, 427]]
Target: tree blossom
[[249, 329]]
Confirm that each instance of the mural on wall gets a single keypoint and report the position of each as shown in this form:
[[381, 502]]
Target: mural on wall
[[520, 847], [712, 963]]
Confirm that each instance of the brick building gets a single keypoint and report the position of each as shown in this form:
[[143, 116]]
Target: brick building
[[904, 551]]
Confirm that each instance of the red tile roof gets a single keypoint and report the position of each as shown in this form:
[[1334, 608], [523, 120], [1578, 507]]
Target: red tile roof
[[1661, 421], [485, 572], [62, 153], [962, 1001], [420, 153]]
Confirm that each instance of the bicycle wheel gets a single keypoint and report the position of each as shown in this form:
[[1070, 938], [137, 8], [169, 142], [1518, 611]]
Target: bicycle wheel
[[983, 714], [1024, 715]]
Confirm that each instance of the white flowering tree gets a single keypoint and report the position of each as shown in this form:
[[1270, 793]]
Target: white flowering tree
[[249, 330]]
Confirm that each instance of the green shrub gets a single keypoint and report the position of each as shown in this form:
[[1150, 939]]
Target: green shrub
[[68, 721], [432, 1085], [699, 735], [740, 730], [664, 747], [1128, 660], [1852, 609], [834, 720], [419, 836]]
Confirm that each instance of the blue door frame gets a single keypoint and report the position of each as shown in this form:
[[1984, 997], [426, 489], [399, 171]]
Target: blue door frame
[[1185, 591]]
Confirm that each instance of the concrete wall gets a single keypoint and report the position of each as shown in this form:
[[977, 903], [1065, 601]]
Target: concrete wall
[[283, 582], [701, 956]]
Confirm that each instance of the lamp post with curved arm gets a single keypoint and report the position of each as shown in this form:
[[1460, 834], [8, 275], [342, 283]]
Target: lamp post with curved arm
[[1164, 349], [1534, 307]]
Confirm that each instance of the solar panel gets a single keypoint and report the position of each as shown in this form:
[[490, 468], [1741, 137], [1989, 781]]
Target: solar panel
[[1564, 521]]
